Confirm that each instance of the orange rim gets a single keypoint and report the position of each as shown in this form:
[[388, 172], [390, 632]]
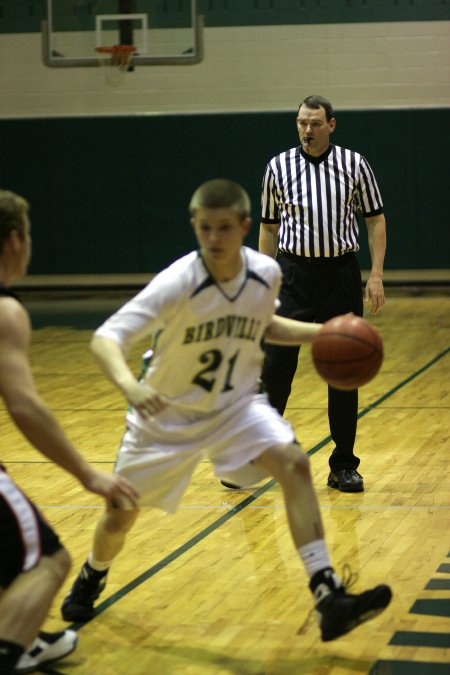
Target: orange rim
[[116, 49]]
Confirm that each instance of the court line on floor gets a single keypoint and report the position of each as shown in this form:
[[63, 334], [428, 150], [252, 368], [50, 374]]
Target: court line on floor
[[272, 507], [193, 541]]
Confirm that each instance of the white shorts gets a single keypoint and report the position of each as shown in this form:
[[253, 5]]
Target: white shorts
[[159, 455]]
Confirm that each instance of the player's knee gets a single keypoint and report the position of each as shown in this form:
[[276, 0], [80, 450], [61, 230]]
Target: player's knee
[[120, 521], [301, 465], [298, 464], [61, 563]]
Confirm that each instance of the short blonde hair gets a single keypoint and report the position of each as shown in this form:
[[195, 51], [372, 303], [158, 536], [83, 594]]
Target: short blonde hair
[[221, 193], [13, 211]]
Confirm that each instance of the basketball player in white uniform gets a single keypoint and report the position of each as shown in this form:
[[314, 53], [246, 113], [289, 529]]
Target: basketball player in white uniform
[[199, 397]]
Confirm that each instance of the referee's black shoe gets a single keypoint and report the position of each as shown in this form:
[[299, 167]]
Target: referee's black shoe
[[346, 480], [340, 612]]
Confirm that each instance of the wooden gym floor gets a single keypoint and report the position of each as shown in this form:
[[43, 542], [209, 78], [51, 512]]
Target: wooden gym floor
[[217, 589]]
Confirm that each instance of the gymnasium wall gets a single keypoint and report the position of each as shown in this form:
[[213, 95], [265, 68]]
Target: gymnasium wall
[[370, 65], [109, 170]]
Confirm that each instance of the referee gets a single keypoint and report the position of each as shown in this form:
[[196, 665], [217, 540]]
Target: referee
[[311, 195]]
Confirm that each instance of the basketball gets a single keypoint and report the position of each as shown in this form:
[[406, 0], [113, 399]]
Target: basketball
[[347, 352]]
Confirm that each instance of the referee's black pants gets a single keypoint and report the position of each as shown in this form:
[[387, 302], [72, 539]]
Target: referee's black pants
[[316, 290]]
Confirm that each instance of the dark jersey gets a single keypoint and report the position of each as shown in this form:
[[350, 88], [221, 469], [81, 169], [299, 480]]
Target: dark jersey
[[9, 293]]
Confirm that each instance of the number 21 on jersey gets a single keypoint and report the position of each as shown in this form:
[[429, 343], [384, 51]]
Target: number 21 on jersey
[[206, 378]]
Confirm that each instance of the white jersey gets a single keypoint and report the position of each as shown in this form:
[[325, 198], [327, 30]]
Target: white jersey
[[208, 352]]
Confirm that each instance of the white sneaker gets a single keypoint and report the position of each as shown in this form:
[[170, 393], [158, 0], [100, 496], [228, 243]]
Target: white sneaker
[[46, 648]]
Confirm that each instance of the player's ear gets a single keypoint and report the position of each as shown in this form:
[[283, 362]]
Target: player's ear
[[15, 240], [246, 224]]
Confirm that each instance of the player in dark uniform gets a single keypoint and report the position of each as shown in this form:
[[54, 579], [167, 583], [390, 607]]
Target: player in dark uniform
[[36, 563]]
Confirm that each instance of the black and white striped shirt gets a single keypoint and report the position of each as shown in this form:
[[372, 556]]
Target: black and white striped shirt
[[316, 200]]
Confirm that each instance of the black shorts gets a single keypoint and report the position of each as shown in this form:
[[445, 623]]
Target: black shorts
[[317, 290], [24, 533]]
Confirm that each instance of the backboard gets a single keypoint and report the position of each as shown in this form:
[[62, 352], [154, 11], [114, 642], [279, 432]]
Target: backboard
[[164, 32]]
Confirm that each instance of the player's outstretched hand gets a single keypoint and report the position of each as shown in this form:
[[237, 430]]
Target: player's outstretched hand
[[111, 486]]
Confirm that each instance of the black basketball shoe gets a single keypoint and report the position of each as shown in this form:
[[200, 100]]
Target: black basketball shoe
[[339, 612], [78, 605]]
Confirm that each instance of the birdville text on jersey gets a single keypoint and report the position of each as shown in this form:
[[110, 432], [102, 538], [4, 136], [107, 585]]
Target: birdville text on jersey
[[229, 326]]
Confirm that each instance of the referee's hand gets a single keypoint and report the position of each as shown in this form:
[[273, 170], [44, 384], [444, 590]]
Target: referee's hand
[[374, 292]]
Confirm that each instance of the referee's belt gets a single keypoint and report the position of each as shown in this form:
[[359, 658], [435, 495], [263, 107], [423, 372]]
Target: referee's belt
[[337, 261]]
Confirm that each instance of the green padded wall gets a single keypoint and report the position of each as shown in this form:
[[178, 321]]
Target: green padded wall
[[23, 16], [110, 194]]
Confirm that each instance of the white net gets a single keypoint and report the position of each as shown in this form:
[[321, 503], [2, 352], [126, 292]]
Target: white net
[[116, 61]]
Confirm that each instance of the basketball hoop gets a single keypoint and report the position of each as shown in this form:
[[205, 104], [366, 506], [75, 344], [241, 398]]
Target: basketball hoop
[[117, 59]]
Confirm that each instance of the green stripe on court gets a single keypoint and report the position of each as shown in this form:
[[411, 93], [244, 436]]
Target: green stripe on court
[[409, 668], [411, 638], [445, 567], [438, 585], [436, 607], [390, 393]]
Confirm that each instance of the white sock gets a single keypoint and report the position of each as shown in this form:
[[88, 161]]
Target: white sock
[[97, 564], [314, 556]]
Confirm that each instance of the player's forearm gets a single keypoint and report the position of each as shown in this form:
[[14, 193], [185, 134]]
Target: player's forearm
[[111, 359], [268, 239], [284, 331], [41, 429]]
